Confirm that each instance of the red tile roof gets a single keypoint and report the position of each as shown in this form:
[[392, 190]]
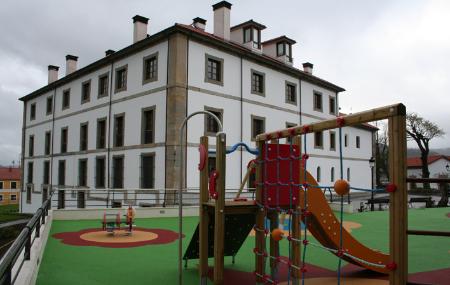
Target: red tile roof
[[9, 173], [416, 161]]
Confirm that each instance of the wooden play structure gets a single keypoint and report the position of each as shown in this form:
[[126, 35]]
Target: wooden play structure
[[284, 186]]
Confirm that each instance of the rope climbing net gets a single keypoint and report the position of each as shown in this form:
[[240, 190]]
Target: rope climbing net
[[285, 187]]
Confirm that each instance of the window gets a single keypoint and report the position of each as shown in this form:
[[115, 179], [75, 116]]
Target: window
[[86, 91], [31, 146], [291, 94], [30, 173], [318, 140], [13, 197], [150, 69], [119, 121], [121, 78], [345, 140], [33, 111], [318, 174], [332, 141], [100, 165], [13, 185], [148, 171], [258, 126], [257, 83], [46, 178], [358, 142], [64, 134], [289, 125], [1, 185], [317, 101], [332, 174], [213, 69], [82, 172], [117, 172], [333, 105], [101, 133], [49, 105], [103, 85], [66, 99], [84, 129], [61, 172], [47, 142], [28, 198], [148, 125], [284, 49], [211, 125], [348, 174], [252, 35]]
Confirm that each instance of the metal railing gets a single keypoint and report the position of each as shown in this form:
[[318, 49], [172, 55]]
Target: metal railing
[[11, 260]]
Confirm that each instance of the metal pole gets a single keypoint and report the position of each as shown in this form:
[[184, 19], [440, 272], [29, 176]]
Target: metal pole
[[180, 191], [372, 206]]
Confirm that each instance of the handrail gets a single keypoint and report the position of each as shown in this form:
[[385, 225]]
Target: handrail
[[233, 148], [22, 241]]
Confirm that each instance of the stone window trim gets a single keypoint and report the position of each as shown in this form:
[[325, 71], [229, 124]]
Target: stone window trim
[[82, 90], [358, 142], [114, 171], [335, 107], [116, 80], [263, 93], [99, 94], [44, 163], [144, 60], [317, 93], [221, 61], [79, 174], [205, 120], [115, 131], [87, 135], [333, 145], [97, 158], [66, 128], [63, 106], [142, 155], [316, 145], [143, 110], [33, 111], [31, 145], [49, 112], [254, 117], [288, 101], [97, 139]]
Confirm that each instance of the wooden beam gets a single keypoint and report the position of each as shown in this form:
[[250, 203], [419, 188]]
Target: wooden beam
[[274, 245], [260, 241], [429, 180], [204, 218], [428, 233], [219, 213], [398, 218], [295, 224], [349, 120]]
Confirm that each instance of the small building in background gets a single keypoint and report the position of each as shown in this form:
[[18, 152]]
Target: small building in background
[[438, 165], [9, 185]]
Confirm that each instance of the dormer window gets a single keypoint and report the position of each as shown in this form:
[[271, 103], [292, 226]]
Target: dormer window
[[280, 48], [284, 49], [248, 34], [253, 36]]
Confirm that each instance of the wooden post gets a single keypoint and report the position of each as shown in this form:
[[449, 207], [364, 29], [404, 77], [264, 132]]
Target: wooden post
[[398, 199], [260, 241], [219, 214], [204, 218], [295, 224], [274, 245]]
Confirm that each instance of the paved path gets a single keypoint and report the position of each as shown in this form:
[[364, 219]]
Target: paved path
[[13, 223]]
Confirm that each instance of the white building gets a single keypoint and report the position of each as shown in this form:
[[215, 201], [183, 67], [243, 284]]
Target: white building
[[438, 165], [115, 123]]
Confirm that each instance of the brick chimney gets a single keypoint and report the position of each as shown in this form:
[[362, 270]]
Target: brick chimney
[[199, 23], [52, 73], [222, 19], [308, 67], [71, 63], [140, 28]]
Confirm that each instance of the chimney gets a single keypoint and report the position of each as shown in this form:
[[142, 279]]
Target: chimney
[[199, 23], [222, 19], [140, 28], [109, 52], [52, 73], [308, 67], [71, 63]]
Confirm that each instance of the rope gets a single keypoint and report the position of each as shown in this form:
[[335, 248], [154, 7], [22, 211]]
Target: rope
[[341, 165]]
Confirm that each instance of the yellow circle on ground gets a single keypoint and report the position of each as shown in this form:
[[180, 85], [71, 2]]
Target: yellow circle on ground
[[119, 236], [348, 225], [344, 280]]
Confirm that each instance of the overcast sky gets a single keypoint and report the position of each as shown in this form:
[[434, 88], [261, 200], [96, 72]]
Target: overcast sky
[[381, 52]]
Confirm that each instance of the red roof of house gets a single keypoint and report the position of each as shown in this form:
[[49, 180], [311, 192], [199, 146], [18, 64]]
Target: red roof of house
[[9, 173], [416, 161]]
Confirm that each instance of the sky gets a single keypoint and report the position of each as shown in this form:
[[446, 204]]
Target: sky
[[382, 52]]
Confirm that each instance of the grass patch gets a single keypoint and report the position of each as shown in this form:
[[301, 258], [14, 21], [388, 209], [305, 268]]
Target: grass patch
[[11, 213]]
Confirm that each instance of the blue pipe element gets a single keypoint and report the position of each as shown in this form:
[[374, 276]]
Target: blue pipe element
[[253, 151]]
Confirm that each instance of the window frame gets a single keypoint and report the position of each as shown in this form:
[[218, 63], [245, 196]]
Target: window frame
[[65, 99], [66, 137], [263, 84], [358, 142], [141, 170], [15, 184], [47, 143], [45, 174], [113, 176], [85, 174], [332, 178], [83, 84], [253, 118], [62, 175], [332, 141], [118, 78], [97, 158], [116, 116], [47, 111], [33, 111], [30, 172], [346, 140], [288, 126], [318, 174], [82, 147], [287, 99], [99, 88], [221, 68], [316, 145], [13, 197], [320, 95], [144, 68], [97, 142], [31, 145], [143, 110], [332, 98], [207, 132]]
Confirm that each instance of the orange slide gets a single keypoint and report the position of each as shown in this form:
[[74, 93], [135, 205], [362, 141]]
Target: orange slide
[[325, 227]]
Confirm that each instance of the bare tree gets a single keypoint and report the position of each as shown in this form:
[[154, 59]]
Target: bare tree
[[381, 155], [422, 132]]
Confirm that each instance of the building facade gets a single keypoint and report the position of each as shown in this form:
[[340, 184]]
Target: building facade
[[114, 124], [438, 165], [9, 186]]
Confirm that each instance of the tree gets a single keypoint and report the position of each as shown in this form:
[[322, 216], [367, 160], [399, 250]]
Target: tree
[[422, 132], [381, 155]]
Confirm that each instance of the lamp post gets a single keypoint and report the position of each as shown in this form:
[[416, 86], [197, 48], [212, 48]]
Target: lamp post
[[447, 167], [371, 164]]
